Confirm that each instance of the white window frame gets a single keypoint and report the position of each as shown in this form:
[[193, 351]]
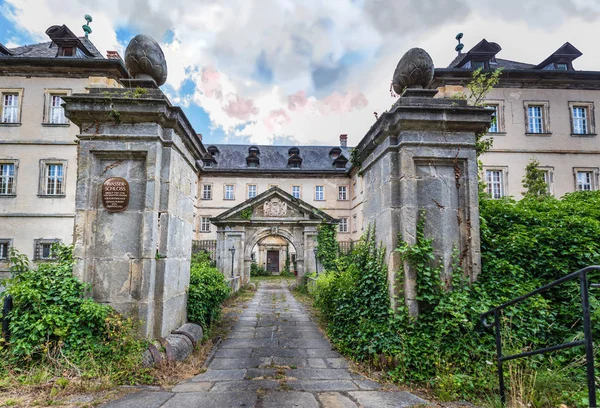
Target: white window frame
[[12, 115], [501, 184], [299, 189], [548, 177], [6, 179], [588, 119], [593, 178], [208, 196], [250, 188], [204, 224], [343, 193], [226, 191], [544, 118], [320, 193], [343, 225], [44, 191], [498, 106], [55, 115]]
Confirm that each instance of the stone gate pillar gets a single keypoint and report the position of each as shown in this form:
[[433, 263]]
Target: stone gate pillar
[[134, 244], [419, 157]]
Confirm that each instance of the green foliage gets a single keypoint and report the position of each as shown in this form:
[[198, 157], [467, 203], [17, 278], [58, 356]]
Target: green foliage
[[480, 85], [525, 244], [256, 270], [327, 245], [55, 323], [355, 299], [246, 213], [533, 181], [208, 289], [354, 158]]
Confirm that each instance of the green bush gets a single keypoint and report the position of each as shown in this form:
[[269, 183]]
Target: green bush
[[256, 270], [525, 244], [208, 289], [53, 321]]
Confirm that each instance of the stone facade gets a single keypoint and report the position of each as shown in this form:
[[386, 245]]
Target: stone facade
[[137, 260]]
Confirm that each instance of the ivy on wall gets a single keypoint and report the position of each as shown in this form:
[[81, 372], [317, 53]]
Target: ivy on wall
[[327, 245]]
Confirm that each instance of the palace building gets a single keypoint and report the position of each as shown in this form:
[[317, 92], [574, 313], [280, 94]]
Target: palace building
[[544, 111]]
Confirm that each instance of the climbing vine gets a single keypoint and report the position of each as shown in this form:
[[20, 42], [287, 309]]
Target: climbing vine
[[327, 245], [246, 213]]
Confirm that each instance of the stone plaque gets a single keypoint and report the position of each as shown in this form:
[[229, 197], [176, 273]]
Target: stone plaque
[[275, 208], [115, 194]]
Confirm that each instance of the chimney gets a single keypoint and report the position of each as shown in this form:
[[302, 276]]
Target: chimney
[[343, 140], [113, 55]]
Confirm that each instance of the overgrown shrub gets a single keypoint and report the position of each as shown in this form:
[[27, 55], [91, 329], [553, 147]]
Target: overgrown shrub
[[256, 270], [208, 289], [54, 322], [525, 244]]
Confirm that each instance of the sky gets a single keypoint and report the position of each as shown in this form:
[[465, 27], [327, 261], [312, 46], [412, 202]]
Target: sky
[[304, 71]]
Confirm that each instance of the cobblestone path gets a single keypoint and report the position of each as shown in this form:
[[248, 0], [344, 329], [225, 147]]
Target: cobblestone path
[[274, 357]]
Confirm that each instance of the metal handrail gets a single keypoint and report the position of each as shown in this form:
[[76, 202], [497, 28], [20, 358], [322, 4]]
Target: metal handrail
[[587, 330]]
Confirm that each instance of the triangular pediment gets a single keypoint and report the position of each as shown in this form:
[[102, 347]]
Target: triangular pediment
[[273, 206]]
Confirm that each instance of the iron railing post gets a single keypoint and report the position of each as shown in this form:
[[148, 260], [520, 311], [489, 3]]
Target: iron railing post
[[499, 356], [589, 345]]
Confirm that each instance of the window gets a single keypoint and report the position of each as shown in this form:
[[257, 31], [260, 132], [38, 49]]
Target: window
[[229, 192], [342, 193], [495, 183], [343, 225], [537, 120], [7, 178], [55, 113], [10, 107], [54, 179], [252, 190], [582, 121], [319, 193], [585, 181], [67, 52], [207, 191], [494, 126], [43, 249], [204, 224], [548, 173], [562, 66], [354, 223], [296, 191], [5, 245]]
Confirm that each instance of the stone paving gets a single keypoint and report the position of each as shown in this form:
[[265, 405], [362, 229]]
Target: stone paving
[[274, 357]]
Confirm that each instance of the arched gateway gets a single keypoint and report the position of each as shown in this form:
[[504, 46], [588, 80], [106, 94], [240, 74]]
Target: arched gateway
[[272, 213]]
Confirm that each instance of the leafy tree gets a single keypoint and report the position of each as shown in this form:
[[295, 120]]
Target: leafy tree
[[534, 181]]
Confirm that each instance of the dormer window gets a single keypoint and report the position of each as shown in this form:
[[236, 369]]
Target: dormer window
[[67, 52], [212, 150], [479, 64], [295, 161], [335, 153], [209, 161], [252, 161], [293, 151], [340, 162], [253, 151]]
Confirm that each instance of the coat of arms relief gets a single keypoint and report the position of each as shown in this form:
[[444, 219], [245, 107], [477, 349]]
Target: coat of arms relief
[[275, 208]]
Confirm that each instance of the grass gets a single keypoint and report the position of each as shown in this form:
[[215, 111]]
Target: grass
[[39, 387]]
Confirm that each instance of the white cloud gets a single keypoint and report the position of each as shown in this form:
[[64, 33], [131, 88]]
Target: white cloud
[[218, 46]]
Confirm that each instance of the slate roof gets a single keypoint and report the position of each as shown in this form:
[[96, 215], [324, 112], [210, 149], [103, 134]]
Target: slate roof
[[275, 158], [49, 50]]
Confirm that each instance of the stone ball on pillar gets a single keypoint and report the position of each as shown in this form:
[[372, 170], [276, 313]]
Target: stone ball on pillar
[[414, 70], [145, 59]]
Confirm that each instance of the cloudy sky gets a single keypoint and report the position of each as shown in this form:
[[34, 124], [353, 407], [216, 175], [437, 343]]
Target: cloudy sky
[[304, 71]]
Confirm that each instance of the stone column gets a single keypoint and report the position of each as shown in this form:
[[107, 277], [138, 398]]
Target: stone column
[[419, 158], [137, 260]]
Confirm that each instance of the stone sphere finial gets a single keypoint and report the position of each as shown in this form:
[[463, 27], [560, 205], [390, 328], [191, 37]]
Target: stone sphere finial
[[414, 70], [145, 59]]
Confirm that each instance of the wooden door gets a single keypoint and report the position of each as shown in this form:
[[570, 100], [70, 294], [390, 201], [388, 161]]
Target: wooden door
[[273, 261]]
